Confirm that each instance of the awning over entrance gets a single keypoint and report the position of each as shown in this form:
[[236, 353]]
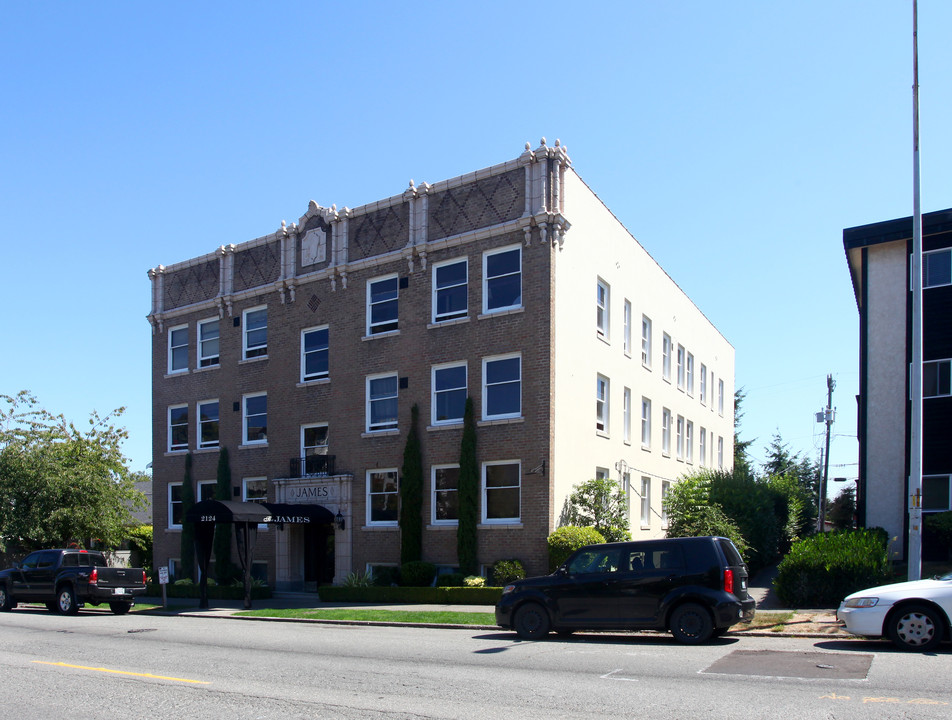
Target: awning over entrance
[[297, 514], [226, 511]]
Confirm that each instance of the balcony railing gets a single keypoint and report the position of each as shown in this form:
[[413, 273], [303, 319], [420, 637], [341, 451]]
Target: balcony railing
[[312, 466]]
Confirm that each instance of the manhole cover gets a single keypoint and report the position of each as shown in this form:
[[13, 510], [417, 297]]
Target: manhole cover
[[770, 663]]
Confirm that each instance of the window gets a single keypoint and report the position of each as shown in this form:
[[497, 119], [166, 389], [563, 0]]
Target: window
[[450, 293], [314, 353], [208, 345], [689, 441], [501, 491], [206, 490], [720, 453], [256, 332], [937, 378], [665, 489], [178, 349], [601, 473], [936, 494], [645, 502], [627, 415], [445, 494], [627, 321], [702, 446], [681, 367], [382, 304], [255, 419], [208, 424], [449, 393], [178, 427], [712, 390], [720, 398], [601, 308], [645, 341], [666, 357], [645, 423], [703, 379], [679, 449], [689, 375], [937, 268], [314, 443], [502, 387], [254, 490], [666, 431], [175, 505], [601, 404], [382, 489], [382, 402], [502, 279]]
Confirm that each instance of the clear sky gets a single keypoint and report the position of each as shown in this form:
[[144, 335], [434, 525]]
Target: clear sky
[[734, 139]]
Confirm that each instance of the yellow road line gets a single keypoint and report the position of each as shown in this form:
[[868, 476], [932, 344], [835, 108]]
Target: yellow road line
[[122, 672]]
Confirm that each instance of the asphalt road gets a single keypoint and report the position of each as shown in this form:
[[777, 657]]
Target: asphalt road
[[98, 666]]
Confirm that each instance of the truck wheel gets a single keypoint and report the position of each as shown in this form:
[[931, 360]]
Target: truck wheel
[[66, 600], [691, 624], [120, 608], [531, 621], [6, 602]]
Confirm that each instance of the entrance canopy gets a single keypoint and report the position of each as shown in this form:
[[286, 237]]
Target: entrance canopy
[[298, 514], [226, 511]]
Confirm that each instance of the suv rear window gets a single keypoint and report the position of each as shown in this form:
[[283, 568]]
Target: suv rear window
[[730, 552]]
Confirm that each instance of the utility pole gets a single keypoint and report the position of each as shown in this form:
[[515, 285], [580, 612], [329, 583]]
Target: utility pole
[[827, 417]]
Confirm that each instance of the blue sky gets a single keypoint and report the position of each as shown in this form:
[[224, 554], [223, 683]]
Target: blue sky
[[735, 140]]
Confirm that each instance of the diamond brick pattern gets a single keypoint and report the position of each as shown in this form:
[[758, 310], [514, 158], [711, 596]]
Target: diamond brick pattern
[[379, 232], [257, 266], [191, 285], [488, 202]]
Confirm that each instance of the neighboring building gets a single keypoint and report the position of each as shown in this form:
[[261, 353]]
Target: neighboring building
[[880, 257], [302, 353]]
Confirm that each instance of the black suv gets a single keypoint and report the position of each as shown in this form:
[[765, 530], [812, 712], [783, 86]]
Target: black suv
[[694, 587]]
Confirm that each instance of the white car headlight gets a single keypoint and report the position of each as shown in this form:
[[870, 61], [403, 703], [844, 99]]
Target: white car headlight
[[862, 602]]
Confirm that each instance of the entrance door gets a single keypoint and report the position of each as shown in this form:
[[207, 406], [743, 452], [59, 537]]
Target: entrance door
[[318, 554]]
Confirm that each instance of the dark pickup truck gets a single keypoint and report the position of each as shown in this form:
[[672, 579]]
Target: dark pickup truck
[[65, 580]]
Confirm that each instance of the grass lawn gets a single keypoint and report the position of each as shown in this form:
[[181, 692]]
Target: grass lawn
[[377, 615]]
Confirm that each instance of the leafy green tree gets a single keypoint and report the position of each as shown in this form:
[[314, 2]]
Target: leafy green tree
[[411, 495], [188, 528], [780, 462], [468, 492], [843, 509], [691, 513], [60, 484], [741, 447], [600, 503], [225, 571]]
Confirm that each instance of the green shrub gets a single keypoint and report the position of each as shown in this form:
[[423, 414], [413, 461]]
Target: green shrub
[[356, 579], [822, 569], [450, 580], [385, 576], [474, 581], [505, 571], [569, 538], [417, 574]]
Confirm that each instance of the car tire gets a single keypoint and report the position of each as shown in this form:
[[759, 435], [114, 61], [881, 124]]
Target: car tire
[[691, 624], [66, 600], [6, 602], [531, 621], [915, 627], [120, 608]]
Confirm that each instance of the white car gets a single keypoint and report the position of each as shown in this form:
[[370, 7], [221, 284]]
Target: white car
[[914, 615]]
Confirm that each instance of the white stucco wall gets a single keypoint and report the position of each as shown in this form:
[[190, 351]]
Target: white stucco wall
[[598, 247]]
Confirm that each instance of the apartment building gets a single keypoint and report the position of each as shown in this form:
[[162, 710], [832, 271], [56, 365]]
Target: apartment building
[[302, 353], [879, 256]]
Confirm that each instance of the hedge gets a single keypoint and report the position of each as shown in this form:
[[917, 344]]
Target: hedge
[[419, 595]]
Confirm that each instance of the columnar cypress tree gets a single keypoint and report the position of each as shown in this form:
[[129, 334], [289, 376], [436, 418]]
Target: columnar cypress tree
[[188, 529], [411, 495], [468, 492], [224, 572]]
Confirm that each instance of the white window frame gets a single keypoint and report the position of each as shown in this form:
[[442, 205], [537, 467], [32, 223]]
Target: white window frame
[[602, 309], [181, 343], [665, 432], [680, 361], [244, 489], [390, 324], [258, 350], [200, 442], [679, 437], [626, 414], [485, 491], [172, 504], [456, 314], [626, 319], [435, 492], [201, 485], [390, 424], [666, 357], [720, 398], [435, 393], [665, 489], [689, 376], [206, 358], [311, 450], [646, 341], [172, 446], [689, 442], [325, 350], [720, 452], [602, 410], [488, 280], [703, 387], [394, 494], [645, 496], [245, 440], [487, 361], [927, 259], [645, 423], [702, 446]]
